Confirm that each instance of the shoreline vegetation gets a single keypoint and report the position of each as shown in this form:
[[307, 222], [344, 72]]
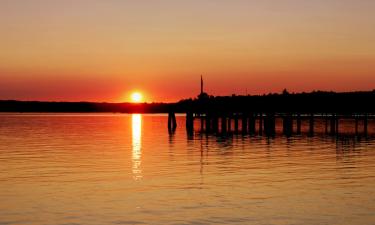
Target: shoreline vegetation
[[313, 102]]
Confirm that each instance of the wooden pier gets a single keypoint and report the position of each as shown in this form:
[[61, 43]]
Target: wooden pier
[[264, 115], [259, 123]]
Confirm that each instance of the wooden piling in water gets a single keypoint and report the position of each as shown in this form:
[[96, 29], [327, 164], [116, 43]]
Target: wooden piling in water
[[356, 125], [287, 124], [229, 124], [260, 124], [236, 123], [311, 125], [333, 125], [208, 123], [252, 123], [202, 122], [270, 124], [244, 123], [172, 123], [326, 123], [224, 124], [365, 124], [189, 121], [215, 123], [299, 123]]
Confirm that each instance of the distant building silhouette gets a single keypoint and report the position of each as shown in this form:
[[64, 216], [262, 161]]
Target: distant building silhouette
[[202, 95], [201, 84]]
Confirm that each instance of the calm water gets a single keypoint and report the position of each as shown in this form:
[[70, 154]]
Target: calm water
[[127, 169]]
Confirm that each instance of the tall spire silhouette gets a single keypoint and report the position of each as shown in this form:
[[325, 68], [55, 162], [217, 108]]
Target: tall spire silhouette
[[201, 84], [202, 95]]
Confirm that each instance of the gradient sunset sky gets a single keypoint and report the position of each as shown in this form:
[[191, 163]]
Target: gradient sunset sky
[[102, 50]]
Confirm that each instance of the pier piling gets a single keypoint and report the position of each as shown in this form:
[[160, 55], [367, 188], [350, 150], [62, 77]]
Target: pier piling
[[333, 125], [356, 125], [236, 123], [270, 125], [172, 124], [224, 123], [244, 123], [365, 125], [260, 124], [311, 125], [251, 123], [288, 125], [208, 123], [189, 121], [299, 123]]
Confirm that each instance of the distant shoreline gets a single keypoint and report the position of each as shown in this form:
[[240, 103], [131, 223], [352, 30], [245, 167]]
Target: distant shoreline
[[317, 101]]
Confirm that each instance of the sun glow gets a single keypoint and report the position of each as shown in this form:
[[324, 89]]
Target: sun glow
[[136, 97]]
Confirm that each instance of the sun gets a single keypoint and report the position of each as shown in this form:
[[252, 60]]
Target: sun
[[136, 97]]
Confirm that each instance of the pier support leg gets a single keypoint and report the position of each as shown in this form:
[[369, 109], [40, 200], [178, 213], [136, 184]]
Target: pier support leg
[[326, 123], [229, 124], [288, 125], [224, 124], [260, 124], [215, 123], [202, 122], [252, 123], [299, 123], [208, 123], [365, 125], [311, 125], [270, 125], [189, 122], [333, 125], [244, 123], [172, 124], [236, 123], [356, 125]]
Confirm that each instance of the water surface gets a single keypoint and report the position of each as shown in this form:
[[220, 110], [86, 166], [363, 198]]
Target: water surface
[[127, 169]]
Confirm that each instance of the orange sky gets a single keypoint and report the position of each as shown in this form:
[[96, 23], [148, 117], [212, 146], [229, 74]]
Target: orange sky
[[103, 50]]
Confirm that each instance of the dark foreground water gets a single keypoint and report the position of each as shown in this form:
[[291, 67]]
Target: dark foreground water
[[127, 169]]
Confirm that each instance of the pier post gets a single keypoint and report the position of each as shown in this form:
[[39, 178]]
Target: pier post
[[252, 123], [236, 123], [365, 124], [299, 122], [356, 124], [326, 123], [189, 121], [260, 123], [208, 123], [270, 125], [202, 122], [172, 124], [229, 124], [215, 123], [244, 123], [287, 125], [333, 125], [337, 125], [311, 125], [224, 124]]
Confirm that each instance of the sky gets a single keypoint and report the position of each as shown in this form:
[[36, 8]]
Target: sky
[[103, 50]]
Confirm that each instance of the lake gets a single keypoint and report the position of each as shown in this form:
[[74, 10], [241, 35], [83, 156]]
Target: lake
[[127, 169]]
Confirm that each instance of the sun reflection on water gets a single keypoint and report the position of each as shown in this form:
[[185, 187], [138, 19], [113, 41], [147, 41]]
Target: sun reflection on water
[[136, 146]]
